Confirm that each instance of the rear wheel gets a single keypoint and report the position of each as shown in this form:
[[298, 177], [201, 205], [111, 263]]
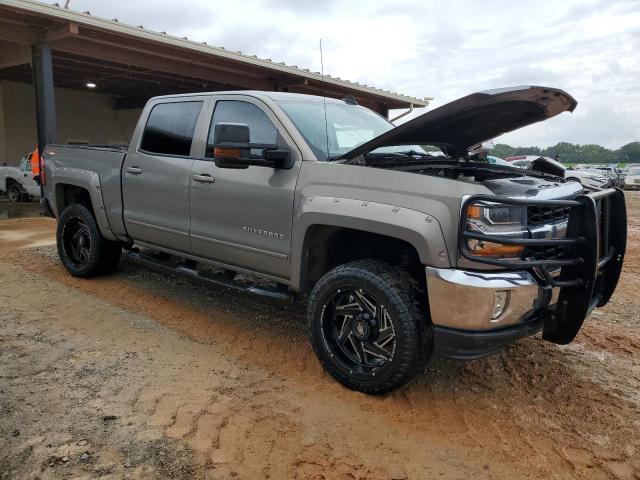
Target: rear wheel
[[367, 326], [81, 248], [14, 193]]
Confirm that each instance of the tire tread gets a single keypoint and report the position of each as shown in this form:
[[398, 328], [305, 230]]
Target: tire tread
[[404, 294]]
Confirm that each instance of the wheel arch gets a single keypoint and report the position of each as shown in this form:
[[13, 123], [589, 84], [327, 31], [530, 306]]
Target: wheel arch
[[10, 181], [333, 232], [81, 186]]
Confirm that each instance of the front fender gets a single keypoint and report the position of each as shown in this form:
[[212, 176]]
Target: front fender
[[86, 179], [416, 228]]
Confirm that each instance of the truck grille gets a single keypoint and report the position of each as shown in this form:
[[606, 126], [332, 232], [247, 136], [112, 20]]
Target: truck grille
[[545, 253], [539, 215]]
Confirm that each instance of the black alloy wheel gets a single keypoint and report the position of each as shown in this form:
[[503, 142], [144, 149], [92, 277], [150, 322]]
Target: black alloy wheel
[[76, 241], [84, 252], [368, 326], [359, 331]]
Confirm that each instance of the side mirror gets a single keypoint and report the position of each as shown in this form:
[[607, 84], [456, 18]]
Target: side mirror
[[232, 148]]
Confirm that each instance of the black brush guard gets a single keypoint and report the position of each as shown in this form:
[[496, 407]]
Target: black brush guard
[[594, 249]]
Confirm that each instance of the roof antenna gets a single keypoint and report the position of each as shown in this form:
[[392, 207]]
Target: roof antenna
[[324, 98]]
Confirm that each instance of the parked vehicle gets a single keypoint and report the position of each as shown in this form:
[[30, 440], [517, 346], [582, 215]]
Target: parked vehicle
[[632, 179], [612, 172], [589, 179], [402, 253], [18, 183]]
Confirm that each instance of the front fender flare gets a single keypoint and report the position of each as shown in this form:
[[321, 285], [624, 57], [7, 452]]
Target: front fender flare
[[419, 229]]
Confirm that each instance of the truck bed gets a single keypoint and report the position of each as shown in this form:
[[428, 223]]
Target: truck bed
[[100, 162]]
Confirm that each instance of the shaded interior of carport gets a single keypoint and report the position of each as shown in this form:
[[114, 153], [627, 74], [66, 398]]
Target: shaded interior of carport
[[51, 56]]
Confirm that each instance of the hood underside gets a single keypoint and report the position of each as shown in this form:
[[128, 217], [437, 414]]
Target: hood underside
[[475, 118]]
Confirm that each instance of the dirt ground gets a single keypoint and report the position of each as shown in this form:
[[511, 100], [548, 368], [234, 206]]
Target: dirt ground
[[140, 375]]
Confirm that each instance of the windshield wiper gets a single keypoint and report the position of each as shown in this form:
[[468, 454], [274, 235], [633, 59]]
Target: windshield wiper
[[414, 153]]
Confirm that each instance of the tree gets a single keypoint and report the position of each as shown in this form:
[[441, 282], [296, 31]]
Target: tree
[[629, 153], [574, 153]]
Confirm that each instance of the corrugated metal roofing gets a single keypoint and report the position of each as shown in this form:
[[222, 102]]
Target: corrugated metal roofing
[[85, 18]]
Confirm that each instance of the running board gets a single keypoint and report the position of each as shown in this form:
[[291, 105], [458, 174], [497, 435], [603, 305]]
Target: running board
[[217, 280]]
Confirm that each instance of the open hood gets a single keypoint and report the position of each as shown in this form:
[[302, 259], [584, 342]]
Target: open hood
[[474, 118]]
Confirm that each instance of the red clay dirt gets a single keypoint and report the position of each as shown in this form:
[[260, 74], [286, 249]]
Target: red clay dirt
[[141, 375]]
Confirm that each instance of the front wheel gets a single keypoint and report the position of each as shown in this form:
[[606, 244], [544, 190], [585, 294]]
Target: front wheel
[[367, 326], [81, 248]]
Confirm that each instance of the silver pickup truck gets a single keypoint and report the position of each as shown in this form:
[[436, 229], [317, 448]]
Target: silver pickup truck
[[402, 253]]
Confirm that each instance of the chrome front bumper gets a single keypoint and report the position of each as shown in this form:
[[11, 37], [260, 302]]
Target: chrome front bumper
[[480, 301]]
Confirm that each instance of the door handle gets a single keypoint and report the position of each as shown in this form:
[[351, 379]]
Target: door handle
[[204, 178], [134, 170]]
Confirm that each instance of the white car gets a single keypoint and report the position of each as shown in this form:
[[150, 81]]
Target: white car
[[589, 179], [18, 182], [632, 180]]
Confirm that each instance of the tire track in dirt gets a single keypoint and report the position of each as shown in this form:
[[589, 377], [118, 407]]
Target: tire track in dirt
[[546, 411]]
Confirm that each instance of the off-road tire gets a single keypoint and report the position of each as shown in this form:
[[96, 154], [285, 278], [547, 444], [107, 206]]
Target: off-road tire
[[14, 193], [401, 296], [101, 256]]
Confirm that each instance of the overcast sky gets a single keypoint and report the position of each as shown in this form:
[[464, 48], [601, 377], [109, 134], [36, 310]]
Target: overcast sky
[[443, 49]]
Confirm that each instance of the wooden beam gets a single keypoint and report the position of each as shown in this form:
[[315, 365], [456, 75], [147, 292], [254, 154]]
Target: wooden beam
[[12, 54], [62, 31], [292, 82], [18, 34]]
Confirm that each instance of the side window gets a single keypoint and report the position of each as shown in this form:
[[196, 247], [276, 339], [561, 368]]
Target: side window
[[170, 128], [233, 111], [25, 164]]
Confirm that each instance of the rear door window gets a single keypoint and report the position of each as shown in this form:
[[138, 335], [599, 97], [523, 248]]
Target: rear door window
[[170, 128]]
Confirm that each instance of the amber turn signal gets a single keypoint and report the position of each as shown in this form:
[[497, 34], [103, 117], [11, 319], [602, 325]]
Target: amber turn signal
[[496, 249], [226, 152]]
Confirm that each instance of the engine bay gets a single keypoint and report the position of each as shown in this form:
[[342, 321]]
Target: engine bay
[[464, 169], [500, 179]]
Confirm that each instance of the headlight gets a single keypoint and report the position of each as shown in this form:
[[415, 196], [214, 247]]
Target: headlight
[[507, 221]]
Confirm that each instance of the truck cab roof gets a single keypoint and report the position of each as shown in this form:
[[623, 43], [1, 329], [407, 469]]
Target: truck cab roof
[[275, 96]]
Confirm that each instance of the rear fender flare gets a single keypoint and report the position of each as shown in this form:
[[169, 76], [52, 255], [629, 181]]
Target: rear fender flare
[[88, 180]]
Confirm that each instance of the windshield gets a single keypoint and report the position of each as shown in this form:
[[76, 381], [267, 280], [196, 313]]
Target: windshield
[[347, 126], [634, 171]]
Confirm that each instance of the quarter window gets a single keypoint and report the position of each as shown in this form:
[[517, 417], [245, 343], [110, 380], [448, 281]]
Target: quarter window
[[170, 128], [233, 111]]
